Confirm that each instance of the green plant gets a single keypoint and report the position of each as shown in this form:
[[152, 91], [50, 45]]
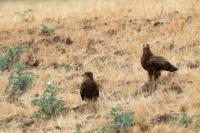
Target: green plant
[[19, 79], [183, 120], [8, 55], [120, 121], [159, 130], [78, 130], [18, 66], [92, 130], [46, 29], [49, 105], [196, 119], [66, 67]]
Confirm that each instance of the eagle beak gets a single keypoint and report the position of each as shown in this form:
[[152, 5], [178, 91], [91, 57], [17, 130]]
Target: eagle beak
[[146, 46]]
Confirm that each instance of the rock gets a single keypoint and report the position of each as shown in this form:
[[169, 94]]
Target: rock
[[4, 35], [117, 95], [146, 89], [87, 24], [31, 61], [57, 38], [13, 99], [121, 52], [111, 32], [156, 24], [58, 127], [61, 50], [68, 41], [31, 31], [56, 65], [36, 95], [61, 39], [91, 46], [188, 19], [163, 118], [78, 67], [18, 120], [168, 46], [36, 50], [80, 108], [174, 87], [193, 64], [26, 122]]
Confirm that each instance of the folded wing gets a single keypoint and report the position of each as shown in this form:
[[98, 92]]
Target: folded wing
[[89, 89], [159, 63]]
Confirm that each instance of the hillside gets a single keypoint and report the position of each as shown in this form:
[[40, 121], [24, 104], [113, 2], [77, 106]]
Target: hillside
[[66, 38]]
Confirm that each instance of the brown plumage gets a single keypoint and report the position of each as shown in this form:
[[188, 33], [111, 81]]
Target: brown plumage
[[155, 64], [89, 89]]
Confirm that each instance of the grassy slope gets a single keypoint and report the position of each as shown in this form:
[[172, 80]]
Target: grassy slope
[[118, 29]]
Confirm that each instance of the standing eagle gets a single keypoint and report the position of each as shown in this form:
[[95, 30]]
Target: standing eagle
[[89, 89], [155, 64]]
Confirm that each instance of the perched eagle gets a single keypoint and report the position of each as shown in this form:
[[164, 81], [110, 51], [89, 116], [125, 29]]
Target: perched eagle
[[155, 64], [89, 89]]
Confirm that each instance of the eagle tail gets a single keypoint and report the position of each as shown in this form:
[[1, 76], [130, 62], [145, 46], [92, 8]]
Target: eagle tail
[[171, 68]]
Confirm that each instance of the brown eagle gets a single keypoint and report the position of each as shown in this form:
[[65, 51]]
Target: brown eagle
[[89, 88], [155, 64]]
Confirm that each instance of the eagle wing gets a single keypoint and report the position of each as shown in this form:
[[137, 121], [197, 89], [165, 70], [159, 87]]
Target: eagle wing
[[160, 63], [89, 88]]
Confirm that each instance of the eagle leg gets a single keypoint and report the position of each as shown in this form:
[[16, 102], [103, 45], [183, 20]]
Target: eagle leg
[[96, 98], [156, 75], [150, 74], [82, 97]]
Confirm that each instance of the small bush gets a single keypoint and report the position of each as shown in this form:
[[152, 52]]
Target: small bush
[[159, 130], [49, 105], [66, 67], [8, 55], [92, 130], [183, 120], [19, 79], [120, 121], [46, 29], [196, 120], [78, 130]]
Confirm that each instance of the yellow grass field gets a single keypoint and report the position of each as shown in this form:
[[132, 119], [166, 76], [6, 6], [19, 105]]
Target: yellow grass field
[[106, 38]]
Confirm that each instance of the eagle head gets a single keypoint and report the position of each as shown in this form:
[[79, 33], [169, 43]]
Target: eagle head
[[145, 46], [87, 75], [147, 50]]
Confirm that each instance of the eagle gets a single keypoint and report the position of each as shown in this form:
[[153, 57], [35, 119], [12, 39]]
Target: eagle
[[89, 88], [154, 64]]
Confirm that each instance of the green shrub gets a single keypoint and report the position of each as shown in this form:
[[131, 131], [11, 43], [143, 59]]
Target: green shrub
[[183, 120], [120, 121], [92, 130], [66, 67], [8, 55], [19, 79], [19, 66], [196, 119], [78, 130], [49, 105], [46, 29]]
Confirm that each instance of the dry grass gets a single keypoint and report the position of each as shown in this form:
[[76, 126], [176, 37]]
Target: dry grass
[[107, 39]]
